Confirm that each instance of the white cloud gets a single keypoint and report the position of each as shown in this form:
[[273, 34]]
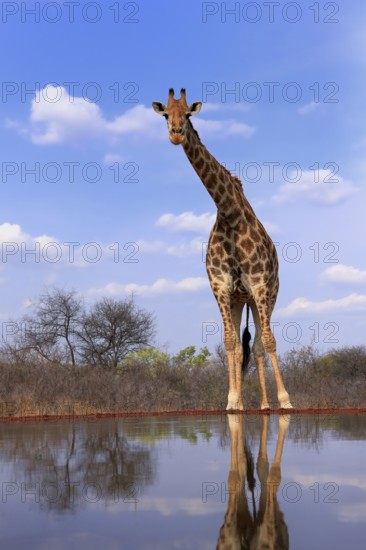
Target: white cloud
[[317, 186], [188, 221], [18, 246], [160, 286], [178, 505], [182, 250], [341, 273], [308, 108], [271, 228], [353, 302], [111, 158], [152, 247], [353, 513], [222, 128], [137, 120], [12, 234], [222, 107], [16, 126], [341, 480], [57, 117]]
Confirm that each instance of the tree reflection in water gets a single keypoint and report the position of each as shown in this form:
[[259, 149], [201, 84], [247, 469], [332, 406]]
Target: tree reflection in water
[[68, 465]]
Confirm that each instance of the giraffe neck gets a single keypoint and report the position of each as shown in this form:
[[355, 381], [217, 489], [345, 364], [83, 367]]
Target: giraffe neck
[[226, 190]]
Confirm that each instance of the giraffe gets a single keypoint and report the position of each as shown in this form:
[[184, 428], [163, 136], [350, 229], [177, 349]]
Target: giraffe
[[265, 528], [241, 259]]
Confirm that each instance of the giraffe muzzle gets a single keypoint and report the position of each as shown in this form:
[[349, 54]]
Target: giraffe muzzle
[[176, 136]]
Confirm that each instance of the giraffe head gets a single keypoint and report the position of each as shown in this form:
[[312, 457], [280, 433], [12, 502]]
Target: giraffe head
[[177, 113]]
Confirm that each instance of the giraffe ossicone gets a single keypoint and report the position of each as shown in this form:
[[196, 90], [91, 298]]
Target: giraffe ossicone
[[241, 258]]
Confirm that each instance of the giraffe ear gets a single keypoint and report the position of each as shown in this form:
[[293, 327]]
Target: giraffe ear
[[158, 107], [195, 107]]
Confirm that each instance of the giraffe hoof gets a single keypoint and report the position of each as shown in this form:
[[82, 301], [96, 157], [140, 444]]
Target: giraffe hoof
[[235, 406], [284, 400], [233, 402]]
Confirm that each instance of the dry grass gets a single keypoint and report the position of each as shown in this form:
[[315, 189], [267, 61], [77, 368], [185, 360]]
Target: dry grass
[[30, 389]]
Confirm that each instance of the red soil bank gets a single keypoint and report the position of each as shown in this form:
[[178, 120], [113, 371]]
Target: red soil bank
[[318, 411]]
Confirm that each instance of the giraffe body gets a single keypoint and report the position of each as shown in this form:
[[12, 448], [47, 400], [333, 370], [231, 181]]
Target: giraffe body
[[241, 258]]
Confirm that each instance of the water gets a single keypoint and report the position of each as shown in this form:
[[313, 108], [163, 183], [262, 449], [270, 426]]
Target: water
[[184, 483]]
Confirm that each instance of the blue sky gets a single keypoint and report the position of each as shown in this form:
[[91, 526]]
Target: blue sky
[[92, 185]]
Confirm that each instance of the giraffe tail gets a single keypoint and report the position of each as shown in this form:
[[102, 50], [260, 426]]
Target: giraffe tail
[[246, 347], [250, 474]]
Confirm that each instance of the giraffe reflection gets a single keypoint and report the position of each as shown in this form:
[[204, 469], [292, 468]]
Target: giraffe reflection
[[265, 527]]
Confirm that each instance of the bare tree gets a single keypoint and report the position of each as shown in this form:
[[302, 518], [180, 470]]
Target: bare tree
[[112, 329], [51, 332], [60, 331], [221, 355]]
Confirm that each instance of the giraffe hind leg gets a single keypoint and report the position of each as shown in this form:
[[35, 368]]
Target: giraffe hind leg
[[258, 353]]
